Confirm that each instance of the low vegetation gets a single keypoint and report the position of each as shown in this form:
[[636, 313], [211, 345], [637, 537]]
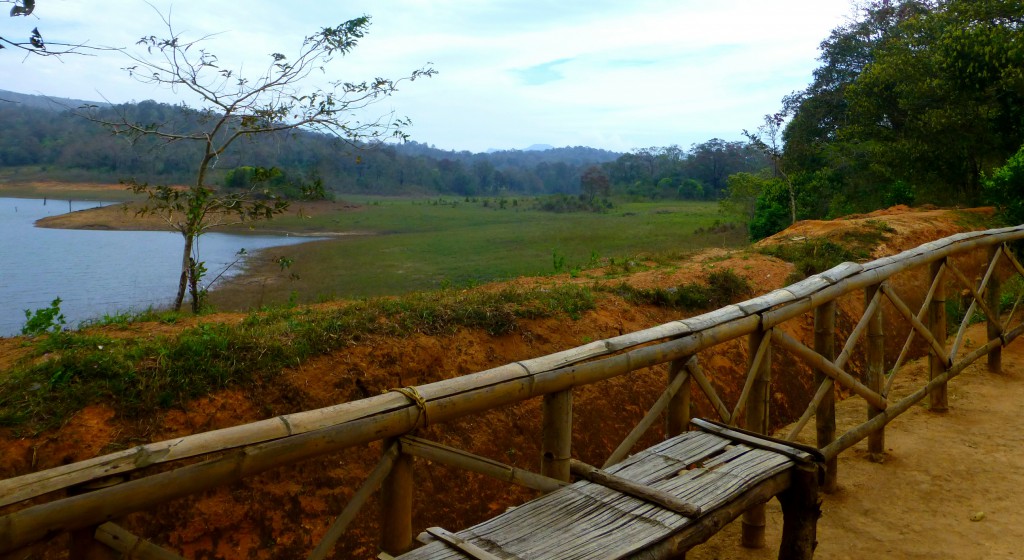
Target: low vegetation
[[67, 370], [722, 288]]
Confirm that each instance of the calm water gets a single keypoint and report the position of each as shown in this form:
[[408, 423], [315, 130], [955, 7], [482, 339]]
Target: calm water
[[96, 272]]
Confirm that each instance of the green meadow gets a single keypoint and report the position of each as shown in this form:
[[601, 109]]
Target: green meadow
[[409, 245]]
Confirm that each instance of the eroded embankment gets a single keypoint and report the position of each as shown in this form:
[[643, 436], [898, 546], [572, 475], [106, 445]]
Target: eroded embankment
[[283, 513]]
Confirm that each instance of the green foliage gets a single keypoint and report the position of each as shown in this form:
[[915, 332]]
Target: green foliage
[[723, 287], [914, 101], [1005, 189], [814, 256], [44, 320], [138, 375], [561, 204]]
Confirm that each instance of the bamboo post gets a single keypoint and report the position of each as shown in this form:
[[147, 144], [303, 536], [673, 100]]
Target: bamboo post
[[875, 370], [825, 415], [992, 297], [800, 512], [396, 504], [677, 415], [556, 444], [937, 362], [754, 519]]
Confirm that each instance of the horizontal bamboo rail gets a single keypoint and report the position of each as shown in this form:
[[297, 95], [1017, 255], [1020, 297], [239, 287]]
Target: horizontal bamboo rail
[[285, 440]]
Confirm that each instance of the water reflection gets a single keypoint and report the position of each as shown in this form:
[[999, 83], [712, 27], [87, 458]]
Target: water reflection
[[96, 272]]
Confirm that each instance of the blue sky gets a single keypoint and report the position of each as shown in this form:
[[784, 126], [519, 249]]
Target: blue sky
[[610, 74]]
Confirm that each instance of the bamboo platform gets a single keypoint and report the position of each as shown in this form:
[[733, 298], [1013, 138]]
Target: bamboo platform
[[715, 472]]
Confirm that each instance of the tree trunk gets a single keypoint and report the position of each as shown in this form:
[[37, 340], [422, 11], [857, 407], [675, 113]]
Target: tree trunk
[[186, 262]]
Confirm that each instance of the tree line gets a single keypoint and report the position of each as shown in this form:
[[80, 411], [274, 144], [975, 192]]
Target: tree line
[[915, 101], [53, 141]]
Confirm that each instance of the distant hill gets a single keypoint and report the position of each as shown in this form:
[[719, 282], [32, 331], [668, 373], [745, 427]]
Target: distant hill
[[43, 140], [44, 102], [539, 148]]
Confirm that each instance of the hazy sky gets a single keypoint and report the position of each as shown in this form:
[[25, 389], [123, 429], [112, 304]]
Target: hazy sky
[[610, 74]]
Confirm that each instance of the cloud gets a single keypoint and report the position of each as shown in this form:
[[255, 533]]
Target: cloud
[[542, 73]]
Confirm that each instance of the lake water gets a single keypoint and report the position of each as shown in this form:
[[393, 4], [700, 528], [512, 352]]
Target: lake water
[[97, 272]]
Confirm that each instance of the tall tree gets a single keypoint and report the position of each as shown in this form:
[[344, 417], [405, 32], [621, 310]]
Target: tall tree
[[232, 107]]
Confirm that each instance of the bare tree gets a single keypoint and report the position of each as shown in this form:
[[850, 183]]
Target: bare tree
[[34, 44], [768, 139], [233, 106]]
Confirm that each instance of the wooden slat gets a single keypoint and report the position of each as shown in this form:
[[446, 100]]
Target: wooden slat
[[630, 488], [695, 370]]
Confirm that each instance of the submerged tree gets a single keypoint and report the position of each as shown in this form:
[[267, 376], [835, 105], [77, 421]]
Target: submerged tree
[[232, 107]]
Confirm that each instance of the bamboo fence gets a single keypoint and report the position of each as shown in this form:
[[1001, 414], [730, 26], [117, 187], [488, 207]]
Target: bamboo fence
[[85, 498]]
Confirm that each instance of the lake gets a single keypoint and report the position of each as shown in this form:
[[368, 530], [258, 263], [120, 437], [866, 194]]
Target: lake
[[97, 273]]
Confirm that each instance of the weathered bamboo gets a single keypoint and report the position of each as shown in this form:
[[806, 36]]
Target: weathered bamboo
[[756, 355], [987, 309], [396, 503], [825, 415], [922, 314], [630, 488], [870, 308], [438, 453], [709, 391], [925, 332], [937, 359], [659, 406], [677, 415], [369, 486], [556, 443], [326, 430], [713, 521], [995, 329], [875, 375], [854, 435], [131, 546], [962, 331], [370, 419], [822, 364], [759, 352], [824, 389], [461, 544]]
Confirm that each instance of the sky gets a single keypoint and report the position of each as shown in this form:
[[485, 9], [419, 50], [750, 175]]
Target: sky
[[617, 74]]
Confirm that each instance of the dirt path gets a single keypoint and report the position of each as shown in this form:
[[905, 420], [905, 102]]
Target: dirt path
[[942, 472]]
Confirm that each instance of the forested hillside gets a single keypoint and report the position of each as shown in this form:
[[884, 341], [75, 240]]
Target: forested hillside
[[915, 101], [44, 140], [53, 142]]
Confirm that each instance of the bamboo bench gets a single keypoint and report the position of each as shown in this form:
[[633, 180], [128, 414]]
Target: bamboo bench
[[718, 472]]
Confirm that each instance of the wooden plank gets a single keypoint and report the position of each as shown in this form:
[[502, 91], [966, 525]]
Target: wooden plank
[[677, 414], [630, 488], [993, 299], [756, 390], [790, 450], [462, 545]]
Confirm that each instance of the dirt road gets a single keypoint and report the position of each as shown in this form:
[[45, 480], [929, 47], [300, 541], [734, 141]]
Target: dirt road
[[951, 485]]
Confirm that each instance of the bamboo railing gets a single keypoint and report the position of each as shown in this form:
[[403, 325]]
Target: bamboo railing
[[88, 495]]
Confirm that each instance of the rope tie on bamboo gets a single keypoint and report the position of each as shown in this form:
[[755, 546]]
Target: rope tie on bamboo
[[417, 399]]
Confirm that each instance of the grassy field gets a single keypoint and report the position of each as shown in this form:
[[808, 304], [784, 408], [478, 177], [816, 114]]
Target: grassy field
[[420, 244]]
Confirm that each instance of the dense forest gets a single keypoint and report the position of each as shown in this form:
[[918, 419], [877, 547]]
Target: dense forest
[[915, 101], [49, 140]]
